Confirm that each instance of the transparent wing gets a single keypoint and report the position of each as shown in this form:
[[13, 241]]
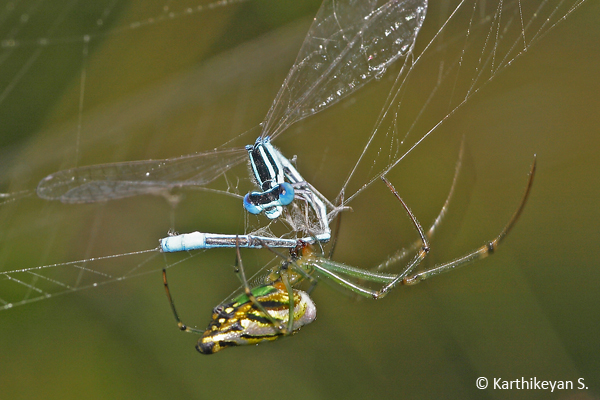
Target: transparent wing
[[349, 43], [124, 179]]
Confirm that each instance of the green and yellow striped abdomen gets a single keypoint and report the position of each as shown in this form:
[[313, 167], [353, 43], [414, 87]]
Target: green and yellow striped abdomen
[[242, 323]]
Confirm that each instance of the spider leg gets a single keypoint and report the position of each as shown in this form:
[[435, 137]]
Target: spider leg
[[481, 252], [421, 253], [180, 324], [404, 252]]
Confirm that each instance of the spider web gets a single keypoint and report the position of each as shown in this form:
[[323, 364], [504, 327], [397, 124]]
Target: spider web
[[114, 81]]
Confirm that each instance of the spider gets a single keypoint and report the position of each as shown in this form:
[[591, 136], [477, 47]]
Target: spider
[[262, 312]]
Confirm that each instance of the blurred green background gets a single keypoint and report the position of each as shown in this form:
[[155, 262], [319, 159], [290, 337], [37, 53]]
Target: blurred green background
[[173, 84]]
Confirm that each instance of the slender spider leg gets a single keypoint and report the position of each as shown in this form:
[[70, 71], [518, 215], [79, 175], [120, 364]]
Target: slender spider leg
[[180, 324], [422, 252], [334, 271], [404, 252], [484, 250]]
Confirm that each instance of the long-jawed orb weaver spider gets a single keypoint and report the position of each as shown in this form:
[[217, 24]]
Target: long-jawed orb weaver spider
[[262, 313]]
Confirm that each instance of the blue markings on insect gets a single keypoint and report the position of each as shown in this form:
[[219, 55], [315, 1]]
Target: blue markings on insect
[[201, 240], [269, 172], [269, 201]]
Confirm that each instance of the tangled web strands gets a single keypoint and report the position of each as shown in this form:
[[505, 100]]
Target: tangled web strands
[[457, 54]]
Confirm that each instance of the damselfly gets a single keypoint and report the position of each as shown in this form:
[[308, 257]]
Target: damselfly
[[277, 307], [348, 44]]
